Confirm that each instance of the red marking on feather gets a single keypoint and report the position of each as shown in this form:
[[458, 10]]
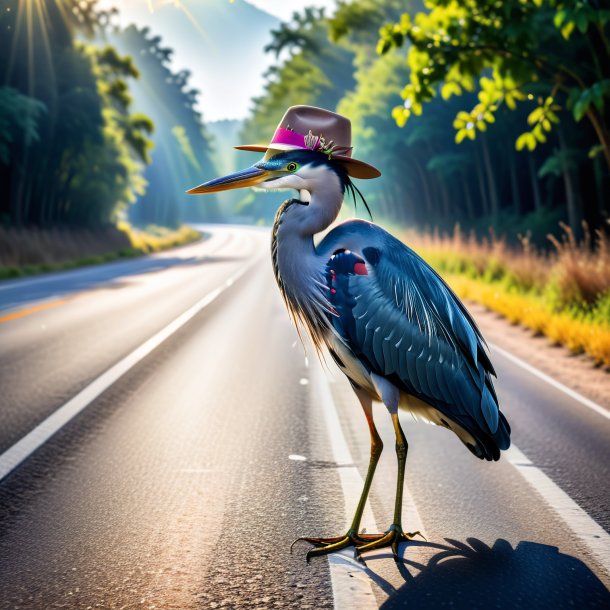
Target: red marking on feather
[[360, 269], [333, 290]]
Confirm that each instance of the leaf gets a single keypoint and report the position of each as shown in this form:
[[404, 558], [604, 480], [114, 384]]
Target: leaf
[[535, 115], [567, 29], [581, 107], [582, 21], [449, 89], [551, 116], [383, 46], [560, 17], [539, 134], [525, 140], [400, 114]]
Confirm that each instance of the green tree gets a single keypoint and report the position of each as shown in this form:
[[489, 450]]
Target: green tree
[[19, 119], [75, 154], [182, 153], [552, 52], [487, 68], [315, 72]]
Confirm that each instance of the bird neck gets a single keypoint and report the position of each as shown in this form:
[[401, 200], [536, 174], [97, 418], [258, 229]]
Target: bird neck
[[323, 208], [297, 222], [299, 270]]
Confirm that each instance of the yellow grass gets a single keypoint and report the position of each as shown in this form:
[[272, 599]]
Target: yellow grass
[[31, 250], [563, 295], [578, 335], [155, 238]]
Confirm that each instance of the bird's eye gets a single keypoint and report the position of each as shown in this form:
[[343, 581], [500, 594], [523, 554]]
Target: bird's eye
[[292, 167]]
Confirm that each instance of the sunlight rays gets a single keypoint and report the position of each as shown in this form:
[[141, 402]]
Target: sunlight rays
[[33, 22]]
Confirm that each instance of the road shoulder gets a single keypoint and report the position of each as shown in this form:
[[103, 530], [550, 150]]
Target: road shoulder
[[575, 371]]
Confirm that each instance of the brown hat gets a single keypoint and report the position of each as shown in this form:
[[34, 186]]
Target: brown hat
[[308, 127]]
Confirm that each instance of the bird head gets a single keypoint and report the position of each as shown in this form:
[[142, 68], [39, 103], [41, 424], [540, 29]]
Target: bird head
[[280, 170]]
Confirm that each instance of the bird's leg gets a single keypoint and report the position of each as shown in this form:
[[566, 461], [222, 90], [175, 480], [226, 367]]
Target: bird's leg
[[395, 535], [336, 543]]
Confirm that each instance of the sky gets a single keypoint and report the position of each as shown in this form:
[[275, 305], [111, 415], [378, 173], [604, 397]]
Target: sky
[[231, 72], [284, 8]]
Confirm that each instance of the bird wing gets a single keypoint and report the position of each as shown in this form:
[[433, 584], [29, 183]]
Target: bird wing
[[403, 322]]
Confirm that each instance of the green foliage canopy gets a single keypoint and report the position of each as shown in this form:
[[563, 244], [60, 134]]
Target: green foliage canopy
[[553, 52], [19, 119]]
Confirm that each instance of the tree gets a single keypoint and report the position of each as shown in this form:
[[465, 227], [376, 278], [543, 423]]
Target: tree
[[73, 151], [314, 72], [554, 52], [182, 153], [19, 119]]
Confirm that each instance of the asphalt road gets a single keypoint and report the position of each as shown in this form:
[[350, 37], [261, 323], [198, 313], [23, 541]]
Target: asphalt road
[[183, 483]]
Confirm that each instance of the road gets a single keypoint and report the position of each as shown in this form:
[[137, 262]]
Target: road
[[165, 437]]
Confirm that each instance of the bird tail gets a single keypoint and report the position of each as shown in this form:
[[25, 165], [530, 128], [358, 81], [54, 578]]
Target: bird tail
[[488, 446]]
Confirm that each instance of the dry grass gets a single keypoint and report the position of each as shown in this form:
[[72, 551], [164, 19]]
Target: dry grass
[[32, 250], [34, 246], [582, 270], [156, 238], [564, 294]]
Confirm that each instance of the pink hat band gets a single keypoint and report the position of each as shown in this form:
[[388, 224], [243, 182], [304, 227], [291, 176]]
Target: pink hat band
[[289, 138]]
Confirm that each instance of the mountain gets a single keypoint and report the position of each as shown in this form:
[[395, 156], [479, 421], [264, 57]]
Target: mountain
[[219, 41]]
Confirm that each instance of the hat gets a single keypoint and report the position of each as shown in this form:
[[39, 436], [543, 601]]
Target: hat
[[311, 128]]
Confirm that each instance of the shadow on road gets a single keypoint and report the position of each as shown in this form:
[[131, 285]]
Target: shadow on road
[[474, 575]]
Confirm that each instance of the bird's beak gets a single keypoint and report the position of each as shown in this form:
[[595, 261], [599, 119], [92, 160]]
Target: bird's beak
[[246, 177]]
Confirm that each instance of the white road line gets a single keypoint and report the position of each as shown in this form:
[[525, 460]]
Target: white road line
[[352, 587], [556, 384], [22, 449], [590, 533]]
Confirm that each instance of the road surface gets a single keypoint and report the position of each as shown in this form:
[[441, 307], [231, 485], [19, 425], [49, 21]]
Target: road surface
[[164, 437]]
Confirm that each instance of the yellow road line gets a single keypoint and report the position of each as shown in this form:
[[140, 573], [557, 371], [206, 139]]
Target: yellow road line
[[30, 310]]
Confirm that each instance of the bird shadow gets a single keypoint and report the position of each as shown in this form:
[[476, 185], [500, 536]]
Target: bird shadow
[[474, 575]]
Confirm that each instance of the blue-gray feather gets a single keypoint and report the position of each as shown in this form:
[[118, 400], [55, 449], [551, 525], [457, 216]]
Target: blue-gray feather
[[403, 322]]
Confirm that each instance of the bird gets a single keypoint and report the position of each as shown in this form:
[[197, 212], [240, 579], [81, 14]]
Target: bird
[[389, 321]]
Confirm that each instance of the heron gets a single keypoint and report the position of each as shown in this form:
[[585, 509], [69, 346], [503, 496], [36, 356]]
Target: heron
[[389, 321]]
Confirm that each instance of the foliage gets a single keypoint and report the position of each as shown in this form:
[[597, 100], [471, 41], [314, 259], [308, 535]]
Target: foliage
[[514, 51], [19, 118], [155, 239], [182, 154], [73, 148], [428, 177], [585, 333], [73, 152]]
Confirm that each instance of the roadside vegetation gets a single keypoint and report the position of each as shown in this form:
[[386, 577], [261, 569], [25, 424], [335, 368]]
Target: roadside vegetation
[[563, 294], [32, 251]]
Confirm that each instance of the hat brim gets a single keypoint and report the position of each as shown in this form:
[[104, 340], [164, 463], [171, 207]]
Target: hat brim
[[354, 167]]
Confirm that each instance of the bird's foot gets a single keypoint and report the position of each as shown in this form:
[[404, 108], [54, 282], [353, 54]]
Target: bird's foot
[[392, 538], [324, 546]]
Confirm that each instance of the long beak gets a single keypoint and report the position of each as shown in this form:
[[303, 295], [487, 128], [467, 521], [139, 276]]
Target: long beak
[[246, 177]]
